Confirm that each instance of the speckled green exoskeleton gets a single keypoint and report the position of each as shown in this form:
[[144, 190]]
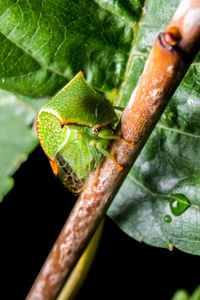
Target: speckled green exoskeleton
[[75, 129]]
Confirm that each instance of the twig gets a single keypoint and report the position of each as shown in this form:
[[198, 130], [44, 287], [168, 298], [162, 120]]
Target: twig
[[80, 271], [171, 55]]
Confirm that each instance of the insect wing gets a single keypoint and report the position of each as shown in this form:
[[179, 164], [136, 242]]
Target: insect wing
[[75, 161], [68, 177]]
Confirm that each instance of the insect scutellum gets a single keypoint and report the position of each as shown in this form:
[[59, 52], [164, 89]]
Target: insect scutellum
[[75, 128]]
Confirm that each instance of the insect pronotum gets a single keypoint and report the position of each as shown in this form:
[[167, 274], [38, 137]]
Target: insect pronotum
[[75, 128]]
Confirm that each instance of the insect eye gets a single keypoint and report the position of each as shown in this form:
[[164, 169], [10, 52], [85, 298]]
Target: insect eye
[[96, 129], [61, 126]]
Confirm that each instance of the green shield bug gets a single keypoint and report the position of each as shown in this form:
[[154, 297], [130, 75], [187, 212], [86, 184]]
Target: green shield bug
[[75, 128]]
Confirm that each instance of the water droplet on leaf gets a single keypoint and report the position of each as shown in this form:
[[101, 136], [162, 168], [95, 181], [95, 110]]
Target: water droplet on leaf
[[167, 219], [179, 204]]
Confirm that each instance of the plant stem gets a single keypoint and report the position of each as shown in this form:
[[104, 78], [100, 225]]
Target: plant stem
[[80, 271], [171, 55]]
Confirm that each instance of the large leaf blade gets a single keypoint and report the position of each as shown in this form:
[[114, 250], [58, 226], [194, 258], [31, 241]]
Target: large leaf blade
[[56, 39]]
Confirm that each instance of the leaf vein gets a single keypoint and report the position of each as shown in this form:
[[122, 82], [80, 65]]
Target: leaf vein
[[177, 131], [35, 58], [131, 24]]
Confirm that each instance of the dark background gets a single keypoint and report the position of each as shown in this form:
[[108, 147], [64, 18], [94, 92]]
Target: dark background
[[31, 217]]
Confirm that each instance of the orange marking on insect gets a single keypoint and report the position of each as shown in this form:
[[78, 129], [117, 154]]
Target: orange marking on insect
[[62, 122], [80, 73], [54, 166], [37, 127]]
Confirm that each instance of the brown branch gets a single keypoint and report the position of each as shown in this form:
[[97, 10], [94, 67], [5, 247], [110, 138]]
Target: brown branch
[[171, 55]]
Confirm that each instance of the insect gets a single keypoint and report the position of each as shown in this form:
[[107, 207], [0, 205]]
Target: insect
[[75, 128]]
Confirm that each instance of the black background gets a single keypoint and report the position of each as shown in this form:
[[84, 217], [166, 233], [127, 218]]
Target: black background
[[31, 217]]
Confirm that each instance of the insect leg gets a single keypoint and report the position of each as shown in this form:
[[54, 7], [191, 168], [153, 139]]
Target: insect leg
[[109, 137], [96, 156], [95, 153], [103, 135], [106, 134], [107, 154], [118, 108]]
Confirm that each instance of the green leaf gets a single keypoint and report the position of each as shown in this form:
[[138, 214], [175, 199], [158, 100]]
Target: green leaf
[[196, 294], [183, 295], [45, 43], [16, 137]]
